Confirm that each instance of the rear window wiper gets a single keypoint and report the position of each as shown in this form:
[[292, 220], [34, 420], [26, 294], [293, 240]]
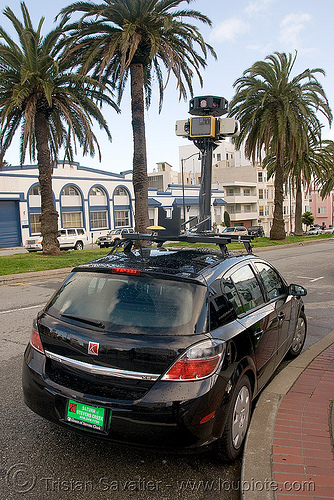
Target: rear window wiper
[[91, 322]]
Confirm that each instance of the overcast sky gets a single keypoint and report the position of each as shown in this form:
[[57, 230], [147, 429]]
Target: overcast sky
[[244, 31]]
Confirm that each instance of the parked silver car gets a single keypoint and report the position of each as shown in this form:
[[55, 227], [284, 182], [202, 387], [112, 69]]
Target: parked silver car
[[235, 230], [314, 231], [113, 237], [328, 230]]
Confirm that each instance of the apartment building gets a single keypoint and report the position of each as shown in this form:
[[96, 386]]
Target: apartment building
[[248, 192], [322, 209]]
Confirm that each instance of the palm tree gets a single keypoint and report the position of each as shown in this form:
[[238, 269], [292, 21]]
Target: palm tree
[[276, 113], [314, 167], [54, 106], [326, 180], [140, 39]]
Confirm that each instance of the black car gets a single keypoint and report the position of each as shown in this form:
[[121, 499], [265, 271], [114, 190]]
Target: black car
[[256, 231], [163, 347]]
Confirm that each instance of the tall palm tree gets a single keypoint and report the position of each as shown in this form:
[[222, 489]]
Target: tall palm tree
[[314, 167], [142, 40], [326, 181], [276, 113], [54, 107]]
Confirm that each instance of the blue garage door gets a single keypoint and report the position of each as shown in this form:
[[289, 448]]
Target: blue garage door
[[10, 231]]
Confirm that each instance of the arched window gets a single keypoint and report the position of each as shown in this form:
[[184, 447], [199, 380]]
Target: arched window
[[122, 207], [34, 204], [35, 190], [70, 191], [98, 208], [97, 191], [71, 207], [120, 191]]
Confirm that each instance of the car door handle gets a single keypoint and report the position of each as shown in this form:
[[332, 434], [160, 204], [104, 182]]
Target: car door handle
[[281, 317], [258, 334]]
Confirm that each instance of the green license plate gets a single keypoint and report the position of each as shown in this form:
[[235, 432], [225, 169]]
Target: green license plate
[[88, 416]]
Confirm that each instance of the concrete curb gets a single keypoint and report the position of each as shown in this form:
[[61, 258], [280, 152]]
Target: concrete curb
[[257, 457]]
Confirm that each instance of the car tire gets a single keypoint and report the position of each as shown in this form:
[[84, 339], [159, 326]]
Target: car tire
[[115, 242], [78, 245], [299, 337], [238, 418]]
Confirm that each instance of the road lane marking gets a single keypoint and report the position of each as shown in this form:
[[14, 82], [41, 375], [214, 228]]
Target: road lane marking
[[22, 309], [311, 279]]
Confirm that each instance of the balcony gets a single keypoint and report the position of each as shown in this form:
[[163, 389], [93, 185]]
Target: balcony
[[243, 216], [241, 199]]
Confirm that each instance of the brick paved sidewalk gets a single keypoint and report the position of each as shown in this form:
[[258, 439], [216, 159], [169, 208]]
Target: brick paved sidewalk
[[303, 459]]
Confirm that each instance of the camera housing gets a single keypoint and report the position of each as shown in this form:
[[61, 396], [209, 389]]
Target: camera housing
[[208, 105]]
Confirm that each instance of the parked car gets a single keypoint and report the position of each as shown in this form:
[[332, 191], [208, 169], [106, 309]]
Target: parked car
[[166, 348], [314, 231], [256, 231], [113, 237], [235, 230], [34, 244], [69, 238], [328, 230], [72, 238]]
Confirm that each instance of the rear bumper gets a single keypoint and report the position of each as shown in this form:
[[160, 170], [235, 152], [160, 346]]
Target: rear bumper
[[33, 247], [148, 422]]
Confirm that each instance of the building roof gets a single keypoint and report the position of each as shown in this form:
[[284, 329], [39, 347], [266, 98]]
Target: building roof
[[219, 202], [154, 203], [188, 200]]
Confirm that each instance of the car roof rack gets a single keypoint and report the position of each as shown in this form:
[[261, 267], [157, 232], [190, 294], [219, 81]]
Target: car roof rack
[[202, 237]]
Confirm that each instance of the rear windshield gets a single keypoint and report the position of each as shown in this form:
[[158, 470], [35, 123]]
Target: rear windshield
[[131, 304]]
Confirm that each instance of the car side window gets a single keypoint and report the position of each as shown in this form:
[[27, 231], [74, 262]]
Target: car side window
[[232, 296], [221, 312], [248, 288], [272, 281]]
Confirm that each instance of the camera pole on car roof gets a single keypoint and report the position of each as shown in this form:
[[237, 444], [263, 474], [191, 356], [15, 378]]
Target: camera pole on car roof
[[206, 129]]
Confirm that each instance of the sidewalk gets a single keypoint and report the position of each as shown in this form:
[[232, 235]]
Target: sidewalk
[[289, 448]]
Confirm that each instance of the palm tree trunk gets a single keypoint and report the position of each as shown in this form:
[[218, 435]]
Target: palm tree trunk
[[277, 231], [139, 179], [49, 217], [299, 208]]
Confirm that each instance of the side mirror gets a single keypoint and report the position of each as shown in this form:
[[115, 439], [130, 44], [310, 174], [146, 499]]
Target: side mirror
[[297, 290]]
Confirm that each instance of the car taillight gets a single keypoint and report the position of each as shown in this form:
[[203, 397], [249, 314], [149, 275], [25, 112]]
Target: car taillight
[[198, 362], [35, 340]]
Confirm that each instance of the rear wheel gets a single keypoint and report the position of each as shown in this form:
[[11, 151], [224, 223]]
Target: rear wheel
[[238, 419], [298, 336], [78, 245]]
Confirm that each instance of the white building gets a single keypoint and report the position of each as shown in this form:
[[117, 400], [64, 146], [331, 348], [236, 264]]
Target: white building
[[84, 197], [93, 199]]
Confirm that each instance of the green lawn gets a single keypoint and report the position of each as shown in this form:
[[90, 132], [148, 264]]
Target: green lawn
[[261, 242], [25, 262]]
